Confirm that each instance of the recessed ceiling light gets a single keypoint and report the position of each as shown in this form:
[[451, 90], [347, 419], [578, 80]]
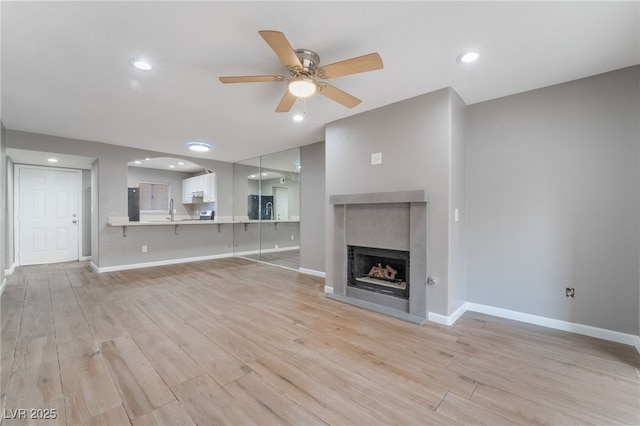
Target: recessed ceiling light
[[147, 159], [137, 162], [171, 166], [141, 65], [468, 57], [264, 174], [199, 146], [180, 163], [298, 117], [52, 160]]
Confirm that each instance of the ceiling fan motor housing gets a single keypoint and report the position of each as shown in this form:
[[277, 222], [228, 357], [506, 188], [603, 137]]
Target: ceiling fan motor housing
[[309, 59]]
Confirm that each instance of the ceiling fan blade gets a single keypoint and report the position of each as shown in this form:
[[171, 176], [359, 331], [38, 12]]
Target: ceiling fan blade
[[365, 63], [338, 95], [253, 79], [286, 102], [281, 46]]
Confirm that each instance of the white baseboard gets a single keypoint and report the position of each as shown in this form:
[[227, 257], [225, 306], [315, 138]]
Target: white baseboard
[[448, 320], [312, 272], [2, 286], [328, 289], [157, 263], [586, 330], [11, 270], [272, 250], [84, 258]]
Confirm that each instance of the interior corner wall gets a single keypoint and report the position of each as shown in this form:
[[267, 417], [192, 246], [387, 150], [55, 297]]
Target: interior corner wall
[[313, 199], [414, 138], [458, 202], [553, 188]]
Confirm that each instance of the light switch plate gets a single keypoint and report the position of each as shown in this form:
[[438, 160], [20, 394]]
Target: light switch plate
[[376, 158]]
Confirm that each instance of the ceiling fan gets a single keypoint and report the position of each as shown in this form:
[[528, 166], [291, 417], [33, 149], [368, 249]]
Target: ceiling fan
[[303, 65]]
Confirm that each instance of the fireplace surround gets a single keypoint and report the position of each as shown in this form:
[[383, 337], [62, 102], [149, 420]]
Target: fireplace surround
[[393, 224]]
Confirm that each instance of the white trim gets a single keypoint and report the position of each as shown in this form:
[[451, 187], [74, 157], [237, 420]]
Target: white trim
[[84, 258], [4, 284], [451, 319], [587, 330], [328, 289], [11, 270], [273, 250], [312, 272], [157, 263]]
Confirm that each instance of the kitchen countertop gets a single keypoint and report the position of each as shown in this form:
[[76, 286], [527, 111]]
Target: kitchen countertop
[[124, 221]]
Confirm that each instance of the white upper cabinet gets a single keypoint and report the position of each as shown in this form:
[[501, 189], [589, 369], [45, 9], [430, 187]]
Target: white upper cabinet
[[211, 190], [199, 189]]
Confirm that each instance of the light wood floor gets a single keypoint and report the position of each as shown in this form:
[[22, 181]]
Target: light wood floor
[[236, 342]]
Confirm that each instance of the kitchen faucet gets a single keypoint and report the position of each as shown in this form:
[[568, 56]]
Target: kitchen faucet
[[171, 210]]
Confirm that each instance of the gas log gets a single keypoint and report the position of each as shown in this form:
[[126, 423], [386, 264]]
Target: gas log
[[384, 273]]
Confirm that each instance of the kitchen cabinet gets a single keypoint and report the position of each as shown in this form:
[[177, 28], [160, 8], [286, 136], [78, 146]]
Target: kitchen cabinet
[[202, 186]]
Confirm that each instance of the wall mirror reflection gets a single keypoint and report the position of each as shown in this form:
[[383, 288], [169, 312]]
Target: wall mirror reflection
[[267, 200]]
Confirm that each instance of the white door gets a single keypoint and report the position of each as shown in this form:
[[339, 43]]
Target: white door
[[48, 209], [281, 200]]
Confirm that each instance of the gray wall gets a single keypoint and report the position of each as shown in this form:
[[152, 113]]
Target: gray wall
[[3, 204], [458, 199], [553, 187], [414, 137], [313, 199], [109, 183]]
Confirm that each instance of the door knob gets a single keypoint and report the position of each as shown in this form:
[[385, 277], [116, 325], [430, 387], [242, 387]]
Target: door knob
[[74, 221]]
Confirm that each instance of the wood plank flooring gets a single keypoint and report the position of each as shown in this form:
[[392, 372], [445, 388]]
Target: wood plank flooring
[[236, 342]]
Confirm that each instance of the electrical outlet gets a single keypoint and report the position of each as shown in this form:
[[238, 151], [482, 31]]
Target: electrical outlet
[[144, 248], [276, 247], [570, 291], [292, 238]]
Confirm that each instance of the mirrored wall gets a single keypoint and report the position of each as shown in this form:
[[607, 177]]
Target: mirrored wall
[[267, 208]]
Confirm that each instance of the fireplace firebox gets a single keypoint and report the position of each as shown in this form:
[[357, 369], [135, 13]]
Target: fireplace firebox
[[379, 270]]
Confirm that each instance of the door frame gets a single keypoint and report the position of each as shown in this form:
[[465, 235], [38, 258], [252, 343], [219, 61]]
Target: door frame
[[16, 205]]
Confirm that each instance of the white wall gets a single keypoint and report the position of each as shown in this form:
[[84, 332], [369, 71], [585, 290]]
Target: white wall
[[553, 188]]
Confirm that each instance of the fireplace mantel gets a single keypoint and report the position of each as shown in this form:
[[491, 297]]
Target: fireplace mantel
[[385, 220], [415, 196]]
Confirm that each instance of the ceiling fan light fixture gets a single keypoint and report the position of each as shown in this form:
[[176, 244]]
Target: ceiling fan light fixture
[[199, 146], [302, 86]]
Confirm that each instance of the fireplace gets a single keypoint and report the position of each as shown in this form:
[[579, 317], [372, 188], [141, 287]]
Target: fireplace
[[374, 237], [379, 270]]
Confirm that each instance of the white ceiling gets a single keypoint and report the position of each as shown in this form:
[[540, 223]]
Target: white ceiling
[[66, 72]]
